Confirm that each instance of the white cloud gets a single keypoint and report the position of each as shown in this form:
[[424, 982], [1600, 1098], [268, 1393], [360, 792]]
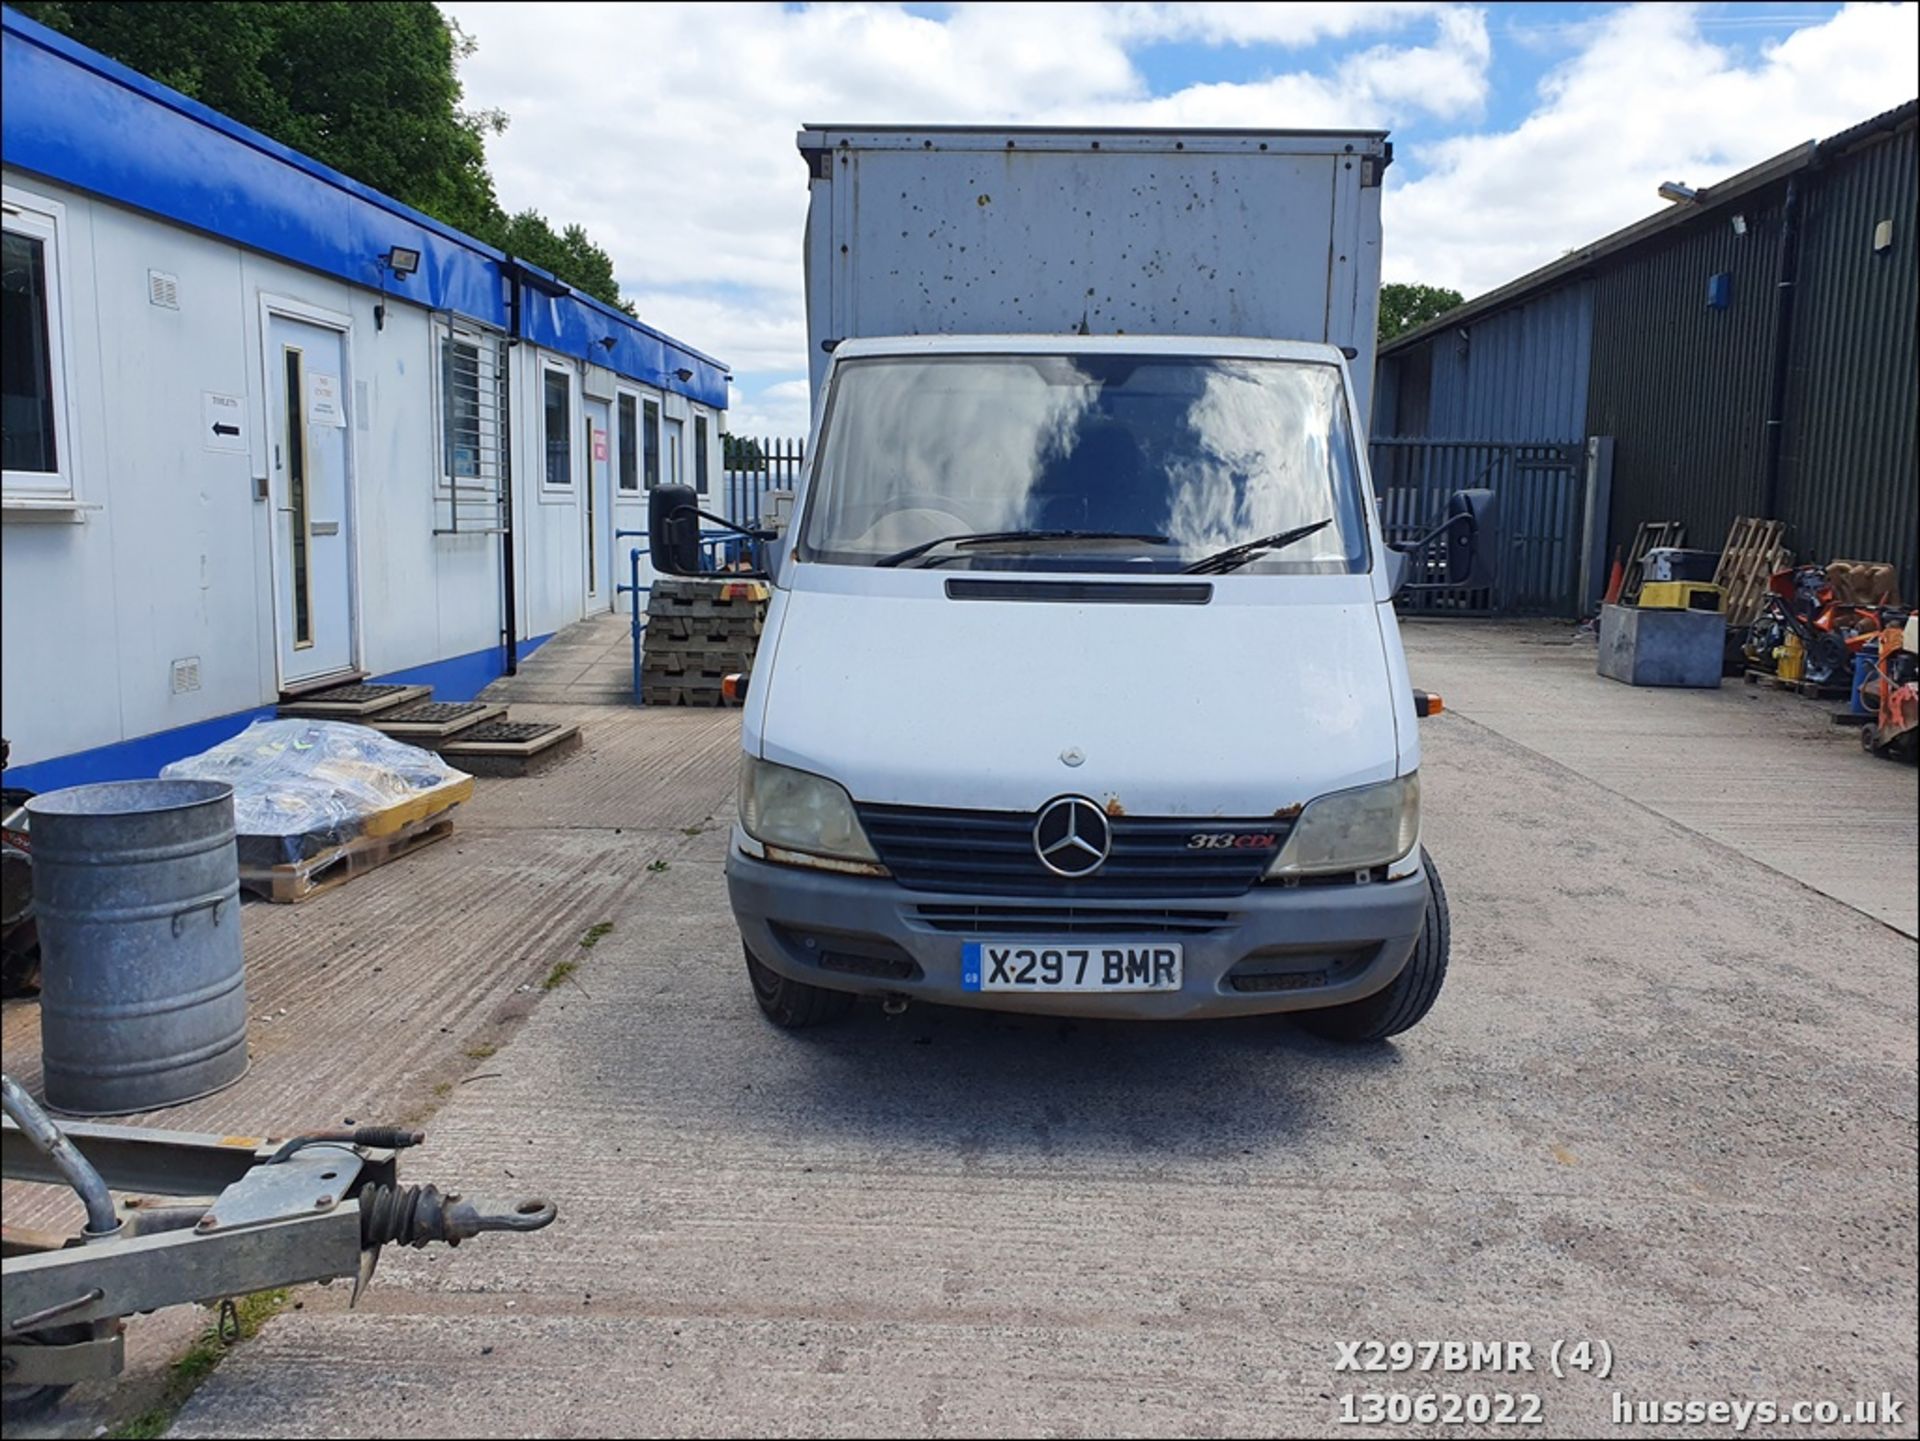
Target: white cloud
[[1372, 88], [753, 336], [668, 130], [781, 409], [1649, 98], [1241, 22]]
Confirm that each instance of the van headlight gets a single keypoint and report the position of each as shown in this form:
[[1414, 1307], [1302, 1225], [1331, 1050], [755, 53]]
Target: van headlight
[[1352, 830], [788, 810]]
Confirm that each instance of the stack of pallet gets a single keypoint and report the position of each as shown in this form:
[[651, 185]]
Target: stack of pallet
[[1748, 560], [699, 631]]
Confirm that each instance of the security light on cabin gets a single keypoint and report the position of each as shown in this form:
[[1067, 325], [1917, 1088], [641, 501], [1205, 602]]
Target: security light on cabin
[[402, 261], [684, 374]]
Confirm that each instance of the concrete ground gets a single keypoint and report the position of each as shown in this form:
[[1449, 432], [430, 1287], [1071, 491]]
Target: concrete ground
[[376, 1001], [1756, 768], [586, 664], [1667, 1103]]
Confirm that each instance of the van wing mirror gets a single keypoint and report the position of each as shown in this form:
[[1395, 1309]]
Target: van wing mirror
[[1469, 545], [1473, 539], [673, 530]]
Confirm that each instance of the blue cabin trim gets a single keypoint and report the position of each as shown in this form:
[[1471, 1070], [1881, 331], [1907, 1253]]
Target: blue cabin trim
[[460, 678], [85, 121]]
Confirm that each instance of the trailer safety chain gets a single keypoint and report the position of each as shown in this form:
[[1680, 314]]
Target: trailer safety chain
[[386, 1138]]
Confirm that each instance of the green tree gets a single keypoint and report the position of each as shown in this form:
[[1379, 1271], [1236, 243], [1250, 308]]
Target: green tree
[[370, 87], [742, 452], [569, 254], [1407, 307]]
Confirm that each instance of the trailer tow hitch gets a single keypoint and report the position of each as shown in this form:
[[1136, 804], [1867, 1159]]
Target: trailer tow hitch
[[256, 1214]]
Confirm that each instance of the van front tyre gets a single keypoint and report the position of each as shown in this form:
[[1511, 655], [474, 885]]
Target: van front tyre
[[793, 1005], [1410, 995]]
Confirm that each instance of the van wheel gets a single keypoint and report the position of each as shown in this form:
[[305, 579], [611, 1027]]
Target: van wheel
[[792, 1005], [1411, 994]]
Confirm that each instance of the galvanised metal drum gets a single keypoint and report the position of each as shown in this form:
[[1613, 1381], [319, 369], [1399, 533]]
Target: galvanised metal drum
[[136, 887]]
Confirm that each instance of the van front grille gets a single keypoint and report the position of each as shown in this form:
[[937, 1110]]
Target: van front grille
[[1041, 921], [992, 852]]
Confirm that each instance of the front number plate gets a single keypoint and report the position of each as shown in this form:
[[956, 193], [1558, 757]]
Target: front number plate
[[1086, 966]]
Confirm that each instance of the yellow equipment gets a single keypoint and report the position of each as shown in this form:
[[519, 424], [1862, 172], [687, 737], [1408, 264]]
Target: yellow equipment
[[1790, 658], [1681, 595]]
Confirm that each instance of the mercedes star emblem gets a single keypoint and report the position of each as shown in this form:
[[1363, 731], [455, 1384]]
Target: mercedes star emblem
[[1072, 837]]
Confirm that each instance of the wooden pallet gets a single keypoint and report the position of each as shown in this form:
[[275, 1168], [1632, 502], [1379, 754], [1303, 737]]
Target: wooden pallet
[[1652, 535], [353, 702], [1812, 690], [303, 880], [689, 593], [672, 664], [733, 645], [427, 721], [683, 690], [679, 632], [1748, 560]]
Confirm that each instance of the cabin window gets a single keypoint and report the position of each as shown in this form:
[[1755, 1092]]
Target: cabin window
[[650, 441], [34, 441], [557, 390], [629, 477]]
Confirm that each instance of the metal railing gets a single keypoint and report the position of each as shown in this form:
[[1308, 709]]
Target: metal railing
[[752, 467]]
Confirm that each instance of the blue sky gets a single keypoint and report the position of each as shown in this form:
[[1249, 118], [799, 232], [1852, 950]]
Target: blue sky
[[1520, 131], [1528, 41]]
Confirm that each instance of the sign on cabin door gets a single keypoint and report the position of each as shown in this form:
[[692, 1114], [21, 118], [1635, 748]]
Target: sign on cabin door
[[307, 451]]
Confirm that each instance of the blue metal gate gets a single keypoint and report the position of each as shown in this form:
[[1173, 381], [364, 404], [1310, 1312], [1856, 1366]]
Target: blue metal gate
[[1541, 490]]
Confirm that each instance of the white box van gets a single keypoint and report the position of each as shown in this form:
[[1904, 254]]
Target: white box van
[[1081, 691]]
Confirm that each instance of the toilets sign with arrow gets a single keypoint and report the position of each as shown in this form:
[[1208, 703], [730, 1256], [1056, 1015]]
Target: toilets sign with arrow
[[223, 423]]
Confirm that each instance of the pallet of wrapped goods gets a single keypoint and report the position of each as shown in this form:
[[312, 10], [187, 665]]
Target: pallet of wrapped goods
[[317, 802]]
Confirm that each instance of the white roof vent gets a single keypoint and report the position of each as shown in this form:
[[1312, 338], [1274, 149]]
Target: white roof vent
[[163, 289]]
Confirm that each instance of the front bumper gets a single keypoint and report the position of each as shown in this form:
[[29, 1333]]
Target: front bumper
[[1276, 948]]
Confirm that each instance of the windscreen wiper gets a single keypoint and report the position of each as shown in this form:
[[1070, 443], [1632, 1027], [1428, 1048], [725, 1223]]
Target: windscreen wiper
[[988, 537], [1235, 556]]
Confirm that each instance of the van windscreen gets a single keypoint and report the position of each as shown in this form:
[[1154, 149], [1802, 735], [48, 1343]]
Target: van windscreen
[[1089, 462]]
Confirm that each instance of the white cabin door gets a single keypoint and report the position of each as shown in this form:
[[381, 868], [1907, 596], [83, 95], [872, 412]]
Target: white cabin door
[[599, 506], [309, 435]]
